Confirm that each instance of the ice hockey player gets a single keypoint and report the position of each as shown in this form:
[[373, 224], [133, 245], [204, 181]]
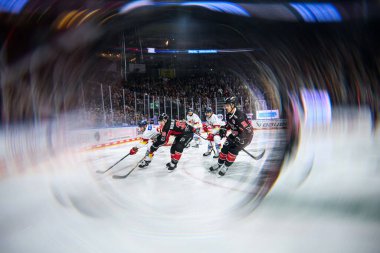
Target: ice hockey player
[[212, 128], [183, 135], [193, 120], [240, 137], [149, 133]]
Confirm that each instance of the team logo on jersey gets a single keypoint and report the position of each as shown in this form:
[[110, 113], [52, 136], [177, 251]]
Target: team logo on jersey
[[149, 127]]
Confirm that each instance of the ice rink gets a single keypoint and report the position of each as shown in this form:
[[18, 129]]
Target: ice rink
[[326, 199], [77, 77]]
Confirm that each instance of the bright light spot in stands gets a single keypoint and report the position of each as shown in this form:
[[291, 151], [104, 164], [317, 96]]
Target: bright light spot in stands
[[134, 5], [14, 6], [317, 12], [317, 107], [225, 7], [204, 51]]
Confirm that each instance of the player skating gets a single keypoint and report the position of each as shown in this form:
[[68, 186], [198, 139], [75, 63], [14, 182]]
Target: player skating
[[149, 133], [241, 136], [212, 127], [193, 120], [183, 135]]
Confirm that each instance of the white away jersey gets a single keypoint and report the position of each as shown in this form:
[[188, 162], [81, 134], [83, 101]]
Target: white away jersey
[[214, 122], [150, 133], [194, 120]]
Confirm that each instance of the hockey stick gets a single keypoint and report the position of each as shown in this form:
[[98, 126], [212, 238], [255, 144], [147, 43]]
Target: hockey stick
[[254, 157], [126, 175], [258, 157], [212, 146], [104, 171]]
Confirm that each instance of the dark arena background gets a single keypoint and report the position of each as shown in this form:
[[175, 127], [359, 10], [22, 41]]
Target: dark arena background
[[77, 77]]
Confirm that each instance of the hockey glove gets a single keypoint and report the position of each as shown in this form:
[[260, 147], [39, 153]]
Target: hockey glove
[[210, 137], [235, 139], [133, 150], [222, 132], [152, 149], [205, 128], [239, 141]]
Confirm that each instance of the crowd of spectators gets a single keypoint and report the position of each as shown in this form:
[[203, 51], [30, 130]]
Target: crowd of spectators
[[174, 96], [207, 86]]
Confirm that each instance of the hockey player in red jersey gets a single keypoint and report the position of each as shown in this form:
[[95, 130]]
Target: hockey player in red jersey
[[180, 129], [240, 137]]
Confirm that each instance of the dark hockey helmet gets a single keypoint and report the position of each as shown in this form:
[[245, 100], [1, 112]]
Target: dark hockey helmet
[[190, 110], [231, 101], [163, 116], [208, 110], [142, 123]]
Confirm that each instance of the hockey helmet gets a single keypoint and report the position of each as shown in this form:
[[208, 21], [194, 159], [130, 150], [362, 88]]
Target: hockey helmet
[[163, 116], [231, 101], [142, 123]]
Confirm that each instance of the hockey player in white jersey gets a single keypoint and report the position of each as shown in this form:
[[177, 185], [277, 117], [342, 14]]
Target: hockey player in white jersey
[[149, 133], [212, 128], [193, 120]]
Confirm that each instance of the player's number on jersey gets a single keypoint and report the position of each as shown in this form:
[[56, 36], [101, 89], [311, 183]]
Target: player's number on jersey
[[181, 125]]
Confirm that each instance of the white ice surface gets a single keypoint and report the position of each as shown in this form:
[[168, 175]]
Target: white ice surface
[[325, 200]]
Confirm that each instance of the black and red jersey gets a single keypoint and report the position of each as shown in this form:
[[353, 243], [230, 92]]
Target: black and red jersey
[[238, 123], [172, 127]]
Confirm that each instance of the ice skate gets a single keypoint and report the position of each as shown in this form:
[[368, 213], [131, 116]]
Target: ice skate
[[144, 163], [223, 170], [207, 153], [216, 155], [171, 166], [215, 167]]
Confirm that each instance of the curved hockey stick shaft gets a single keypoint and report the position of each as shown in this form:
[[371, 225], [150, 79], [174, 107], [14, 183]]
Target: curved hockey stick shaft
[[126, 175], [104, 171], [258, 157], [212, 146]]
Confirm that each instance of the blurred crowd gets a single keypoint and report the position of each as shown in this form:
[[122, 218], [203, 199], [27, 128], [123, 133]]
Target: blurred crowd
[[343, 65], [206, 86], [175, 96]]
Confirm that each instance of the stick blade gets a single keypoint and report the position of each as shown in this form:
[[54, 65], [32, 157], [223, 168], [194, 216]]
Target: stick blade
[[119, 176], [260, 156]]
